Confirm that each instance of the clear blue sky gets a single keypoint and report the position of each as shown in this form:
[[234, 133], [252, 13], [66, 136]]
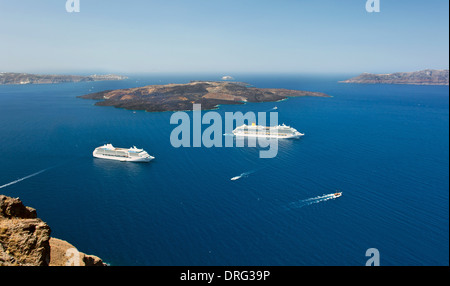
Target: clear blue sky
[[233, 36]]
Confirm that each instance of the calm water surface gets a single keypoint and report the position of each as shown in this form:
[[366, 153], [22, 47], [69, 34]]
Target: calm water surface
[[385, 146]]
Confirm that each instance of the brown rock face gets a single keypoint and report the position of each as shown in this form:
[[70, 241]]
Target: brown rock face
[[65, 254], [24, 239]]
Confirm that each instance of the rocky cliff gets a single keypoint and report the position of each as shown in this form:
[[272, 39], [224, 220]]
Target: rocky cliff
[[25, 240], [63, 253]]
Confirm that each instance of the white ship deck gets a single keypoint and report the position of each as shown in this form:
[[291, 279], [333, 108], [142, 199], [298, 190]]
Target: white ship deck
[[281, 131], [133, 154]]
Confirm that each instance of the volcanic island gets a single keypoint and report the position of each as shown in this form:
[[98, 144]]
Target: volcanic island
[[181, 97]]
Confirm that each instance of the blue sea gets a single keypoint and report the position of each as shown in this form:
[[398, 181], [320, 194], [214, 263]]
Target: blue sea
[[386, 147]]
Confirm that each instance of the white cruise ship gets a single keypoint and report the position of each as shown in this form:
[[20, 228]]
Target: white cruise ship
[[280, 131], [133, 154]]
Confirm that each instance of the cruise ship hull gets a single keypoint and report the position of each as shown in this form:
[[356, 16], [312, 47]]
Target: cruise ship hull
[[137, 160], [277, 132], [109, 152], [294, 136]]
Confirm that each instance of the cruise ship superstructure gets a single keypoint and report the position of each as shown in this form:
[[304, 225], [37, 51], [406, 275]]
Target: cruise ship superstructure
[[133, 154], [280, 131]]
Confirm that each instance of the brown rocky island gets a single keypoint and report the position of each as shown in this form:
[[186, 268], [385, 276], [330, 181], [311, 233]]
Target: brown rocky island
[[179, 97]]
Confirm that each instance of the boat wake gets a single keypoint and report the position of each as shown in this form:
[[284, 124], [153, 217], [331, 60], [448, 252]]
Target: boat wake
[[271, 109], [24, 178], [243, 175], [310, 201]]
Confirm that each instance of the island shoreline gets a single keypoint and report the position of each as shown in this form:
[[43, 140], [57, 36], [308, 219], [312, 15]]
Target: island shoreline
[[180, 97]]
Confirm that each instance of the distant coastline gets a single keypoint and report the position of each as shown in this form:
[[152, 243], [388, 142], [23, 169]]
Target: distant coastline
[[180, 97], [25, 78], [425, 77]]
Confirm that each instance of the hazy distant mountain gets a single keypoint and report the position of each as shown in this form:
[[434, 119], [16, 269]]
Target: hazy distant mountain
[[24, 78], [425, 77]]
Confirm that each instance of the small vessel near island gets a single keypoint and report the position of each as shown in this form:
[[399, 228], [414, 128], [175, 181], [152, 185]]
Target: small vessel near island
[[280, 131], [227, 77], [108, 151]]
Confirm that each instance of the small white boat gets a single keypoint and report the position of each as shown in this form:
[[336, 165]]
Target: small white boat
[[337, 195]]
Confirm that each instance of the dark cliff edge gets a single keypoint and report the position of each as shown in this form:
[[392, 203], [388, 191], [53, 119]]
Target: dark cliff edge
[[25, 240], [180, 97], [425, 77]]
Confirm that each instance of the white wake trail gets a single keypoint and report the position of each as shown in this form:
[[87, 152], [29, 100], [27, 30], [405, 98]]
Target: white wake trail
[[24, 178], [243, 175], [310, 201]]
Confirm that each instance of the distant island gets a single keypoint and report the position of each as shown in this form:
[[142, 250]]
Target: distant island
[[425, 77], [179, 97], [24, 78]]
